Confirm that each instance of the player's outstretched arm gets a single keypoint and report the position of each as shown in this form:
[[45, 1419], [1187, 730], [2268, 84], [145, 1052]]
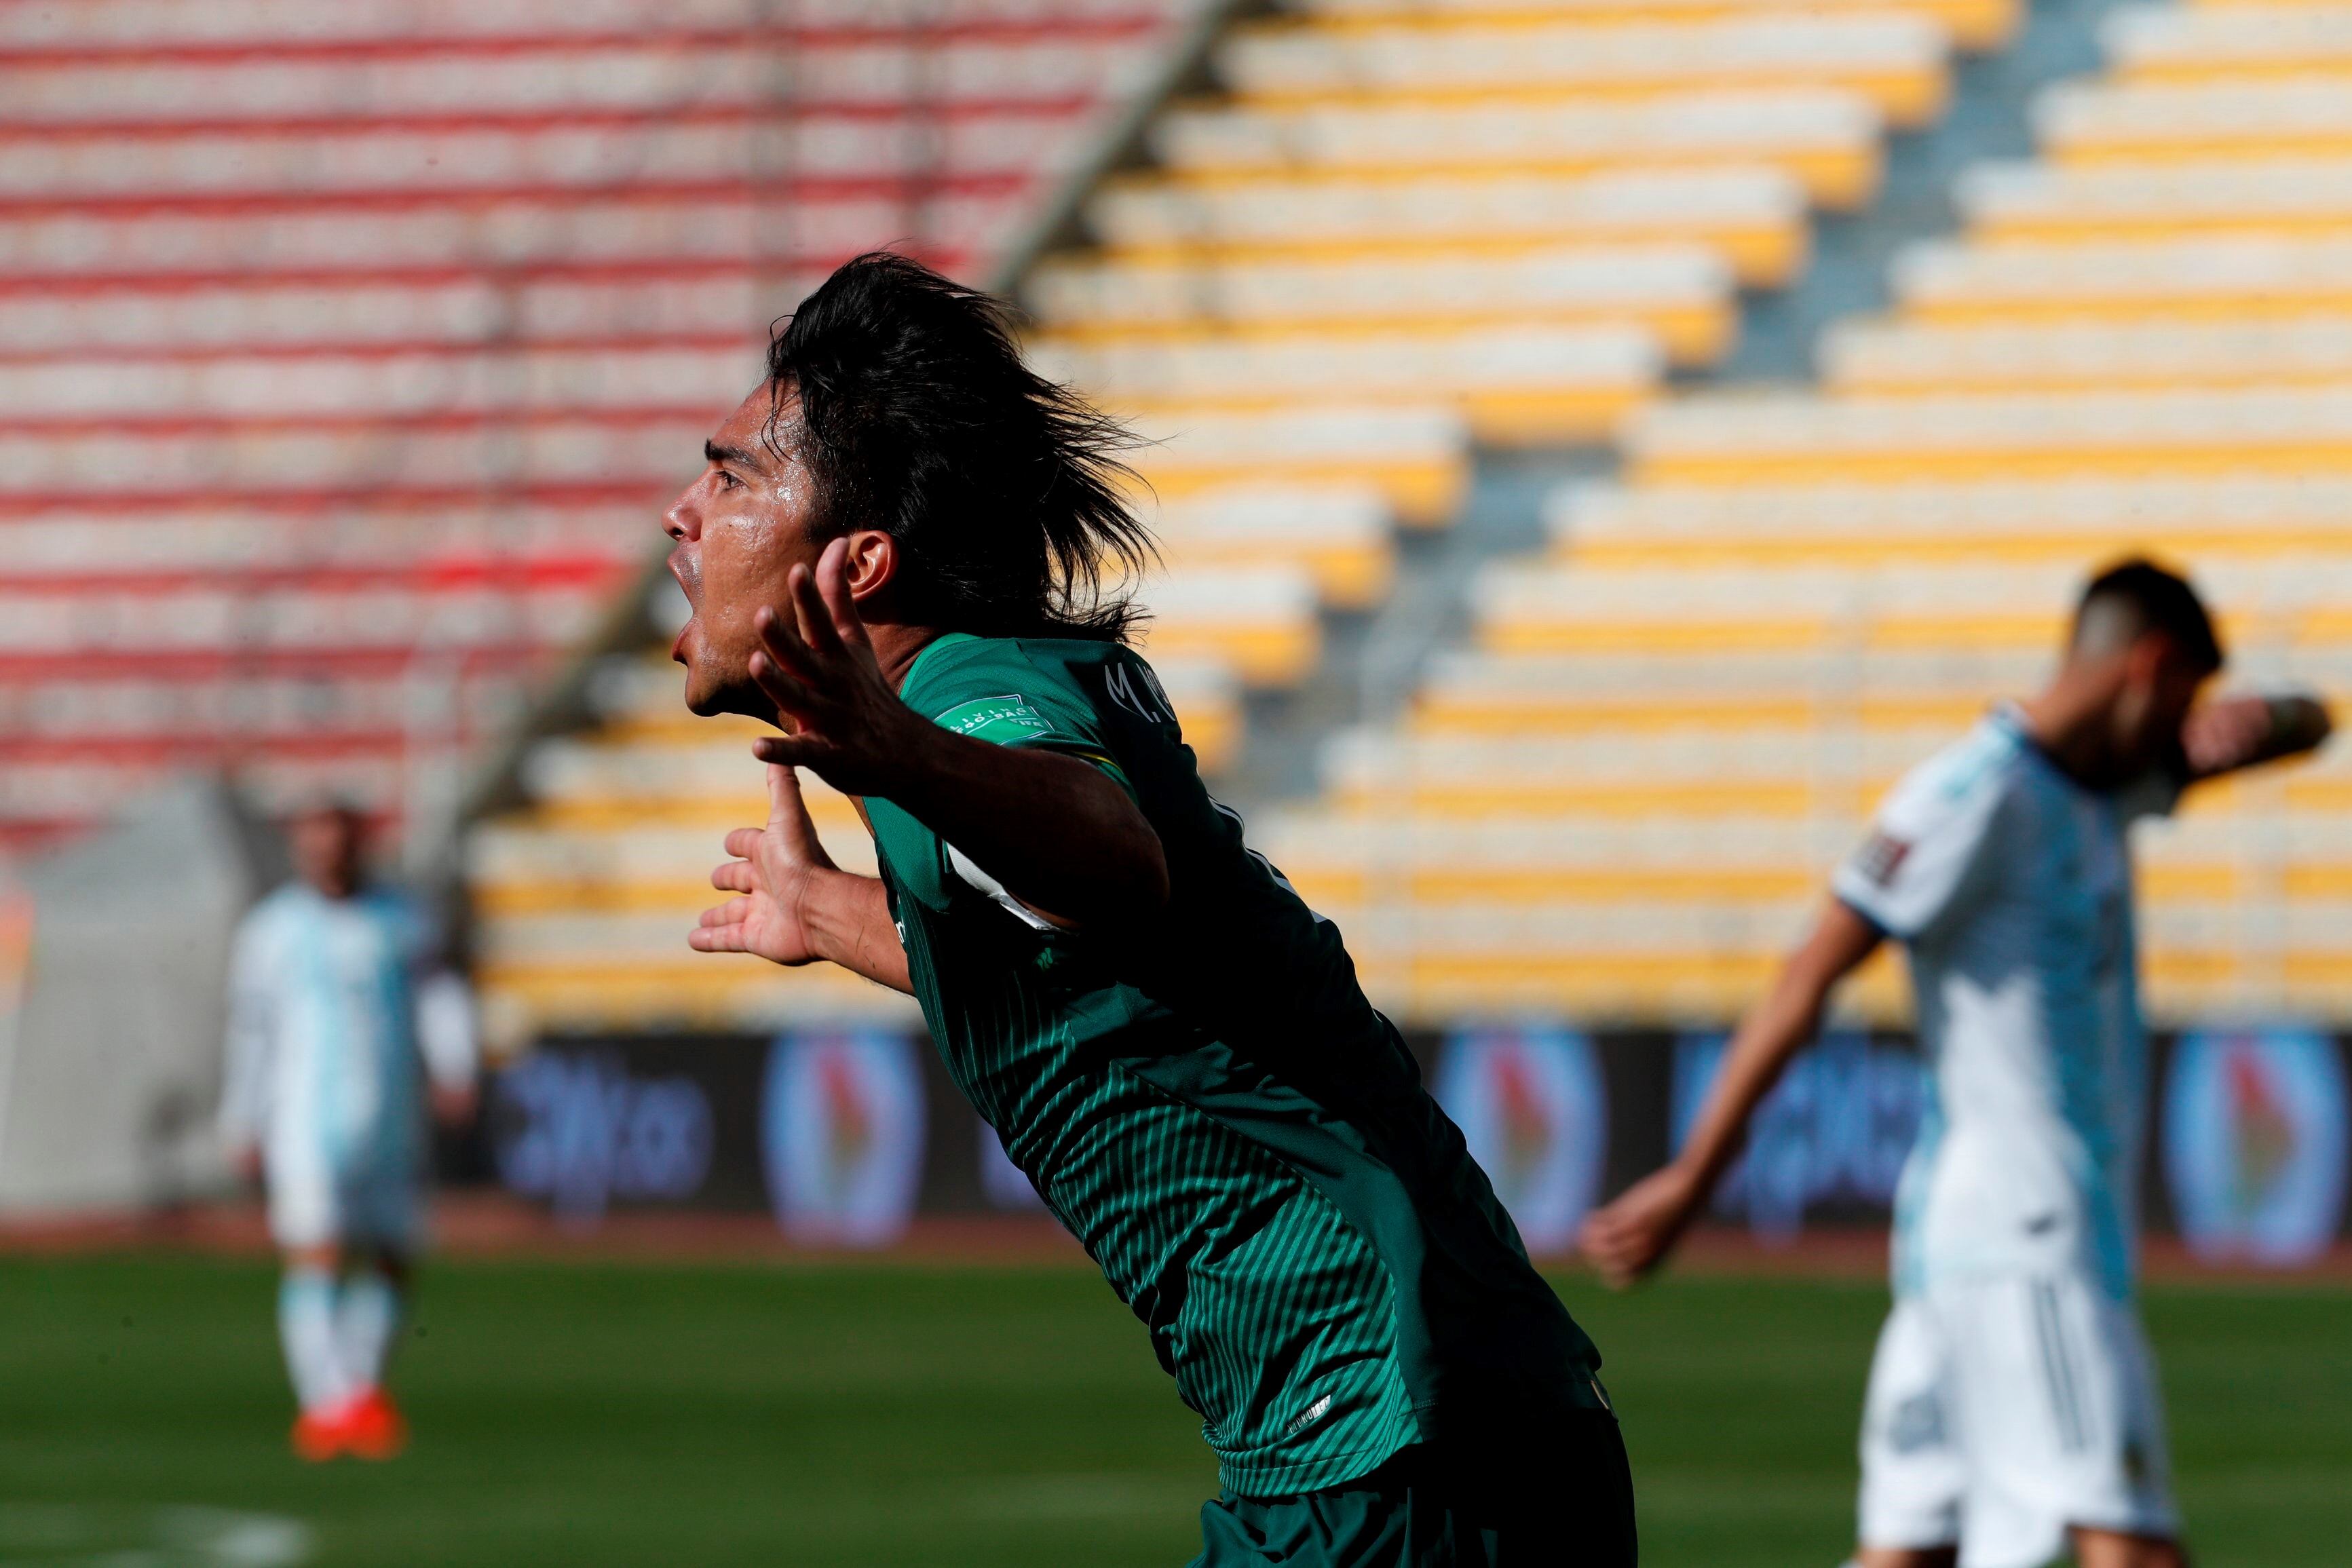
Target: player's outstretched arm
[[1628, 1238], [1055, 831], [2232, 733], [797, 906]]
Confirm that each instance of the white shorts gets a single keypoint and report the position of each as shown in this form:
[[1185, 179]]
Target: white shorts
[[377, 1204], [2003, 1412]]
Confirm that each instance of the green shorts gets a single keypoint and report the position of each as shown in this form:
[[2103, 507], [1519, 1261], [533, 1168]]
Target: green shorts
[[1559, 1498]]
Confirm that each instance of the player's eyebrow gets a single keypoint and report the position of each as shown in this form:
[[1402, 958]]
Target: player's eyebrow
[[714, 452]]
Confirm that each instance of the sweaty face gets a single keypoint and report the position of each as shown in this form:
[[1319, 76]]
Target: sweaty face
[[739, 529]]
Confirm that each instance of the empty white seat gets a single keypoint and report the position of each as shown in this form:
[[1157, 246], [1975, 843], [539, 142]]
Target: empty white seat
[[1610, 55], [2165, 420], [1620, 279], [94, 538], [1919, 509], [1274, 211], [2271, 274], [1718, 127], [1973, 25], [653, 451], [462, 379], [146, 25], [1308, 436], [1612, 356], [686, 299], [1900, 355], [1273, 512], [2145, 40], [1621, 682], [1241, 597], [680, 227], [2265, 117], [1367, 763], [1322, 840], [212, 618], [972, 79], [2218, 192], [471, 156]]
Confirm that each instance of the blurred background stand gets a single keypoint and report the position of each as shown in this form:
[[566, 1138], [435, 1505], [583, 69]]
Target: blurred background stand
[[109, 1057]]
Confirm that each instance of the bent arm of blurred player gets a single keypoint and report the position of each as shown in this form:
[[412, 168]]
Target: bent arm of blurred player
[[1632, 1235], [2233, 733], [450, 1043]]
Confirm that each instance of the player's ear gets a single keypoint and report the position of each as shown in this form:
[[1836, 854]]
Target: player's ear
[[873, 563]]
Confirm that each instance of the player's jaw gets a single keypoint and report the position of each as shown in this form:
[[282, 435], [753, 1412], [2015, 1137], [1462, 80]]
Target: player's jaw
[[2149, 709]]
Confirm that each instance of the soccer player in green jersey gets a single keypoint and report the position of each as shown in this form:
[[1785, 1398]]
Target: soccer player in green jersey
[[900, 553]]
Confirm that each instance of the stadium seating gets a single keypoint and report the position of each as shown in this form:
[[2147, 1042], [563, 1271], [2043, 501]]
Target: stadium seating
[[348, 351], [1620, 800], [1402, 230]]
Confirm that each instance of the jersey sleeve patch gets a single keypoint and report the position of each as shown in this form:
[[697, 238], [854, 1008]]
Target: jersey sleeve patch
[[1880, 857], [1927, 853], [1006, 720]]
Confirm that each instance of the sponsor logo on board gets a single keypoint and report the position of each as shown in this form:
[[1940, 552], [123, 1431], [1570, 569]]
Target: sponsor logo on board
[[841, 1134], [1532, 1107], [2254, 1142]]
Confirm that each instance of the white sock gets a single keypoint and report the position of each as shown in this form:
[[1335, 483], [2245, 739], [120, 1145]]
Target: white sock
[[369, 1318], [306, 1328]]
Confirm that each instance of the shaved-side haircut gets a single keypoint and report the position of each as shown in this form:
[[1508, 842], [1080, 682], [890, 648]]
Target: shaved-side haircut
[[2134, 597]]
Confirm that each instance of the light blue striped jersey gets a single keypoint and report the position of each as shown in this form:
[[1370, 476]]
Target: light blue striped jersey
[[2011, 886], [323, 1065]]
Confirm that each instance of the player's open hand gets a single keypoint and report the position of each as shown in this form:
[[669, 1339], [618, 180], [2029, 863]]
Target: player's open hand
[[775, 869], [1628, 1238], [817, 664]]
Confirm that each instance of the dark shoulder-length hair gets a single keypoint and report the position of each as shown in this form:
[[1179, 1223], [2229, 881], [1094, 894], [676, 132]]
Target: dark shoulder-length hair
[[1002, 489]]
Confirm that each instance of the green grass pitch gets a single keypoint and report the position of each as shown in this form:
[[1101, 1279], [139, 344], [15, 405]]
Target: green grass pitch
[[893, 1414]]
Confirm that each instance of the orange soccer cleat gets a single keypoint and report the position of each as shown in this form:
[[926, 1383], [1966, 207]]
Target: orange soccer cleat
[[372, 1427], [318, 1436]]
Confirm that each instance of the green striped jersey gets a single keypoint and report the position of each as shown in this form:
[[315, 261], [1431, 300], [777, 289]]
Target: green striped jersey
[[1205, 1098]]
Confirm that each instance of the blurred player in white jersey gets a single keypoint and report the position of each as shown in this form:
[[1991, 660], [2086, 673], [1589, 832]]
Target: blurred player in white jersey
[[2012, 1410], [338, 1016]]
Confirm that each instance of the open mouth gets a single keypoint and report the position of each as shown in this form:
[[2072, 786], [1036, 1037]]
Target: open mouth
[[689, 573]]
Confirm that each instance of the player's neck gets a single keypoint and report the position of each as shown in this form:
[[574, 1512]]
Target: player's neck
[[2068, 720], [896, 647]]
